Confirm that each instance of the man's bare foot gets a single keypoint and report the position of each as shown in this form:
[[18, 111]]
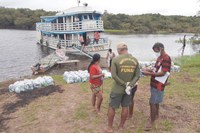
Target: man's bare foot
[[148, 125], [120, 129], [94, 109], [109, 130], [130, 116]]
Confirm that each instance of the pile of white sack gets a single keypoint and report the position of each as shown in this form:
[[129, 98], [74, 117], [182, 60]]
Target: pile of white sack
[[76, 76], [83, 76], [80, 76], [30, 84], [107, 74]]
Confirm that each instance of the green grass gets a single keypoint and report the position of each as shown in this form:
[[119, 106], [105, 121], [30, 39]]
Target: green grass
[[167, 125], [187, 82], [85, 87], [198, 130], [30, 114], [96, 120], [59, 80], [182, 97], [189, 61], [81, 112]]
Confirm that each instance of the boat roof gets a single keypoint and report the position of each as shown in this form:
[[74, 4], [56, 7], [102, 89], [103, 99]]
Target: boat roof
[[74, 11]]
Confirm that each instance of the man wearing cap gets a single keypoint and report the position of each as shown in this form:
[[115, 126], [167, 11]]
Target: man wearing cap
[[125, 73], [162, 68]]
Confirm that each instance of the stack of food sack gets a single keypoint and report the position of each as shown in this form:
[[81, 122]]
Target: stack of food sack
[[175, 68], [106, 73], [76, 76], [30, 84], [80, 76]]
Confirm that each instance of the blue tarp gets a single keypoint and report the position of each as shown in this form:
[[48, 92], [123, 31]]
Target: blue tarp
[[69, 32], [49, 19]]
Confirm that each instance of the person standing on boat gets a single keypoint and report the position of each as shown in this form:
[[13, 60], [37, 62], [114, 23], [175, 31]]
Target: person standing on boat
[[82, 42], [96, 37], [109, 57], [162, 68], [96, 82], [88, 40], [125, 73]]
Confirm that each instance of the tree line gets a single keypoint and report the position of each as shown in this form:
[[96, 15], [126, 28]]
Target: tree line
[[24, 18], [152, 23]]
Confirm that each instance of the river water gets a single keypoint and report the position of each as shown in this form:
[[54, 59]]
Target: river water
[[19, 49]]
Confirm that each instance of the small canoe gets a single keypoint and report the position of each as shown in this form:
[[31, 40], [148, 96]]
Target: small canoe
[[45, 63]]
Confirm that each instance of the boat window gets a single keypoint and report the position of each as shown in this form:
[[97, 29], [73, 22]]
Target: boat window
[[90, 17], [85, 17], [60, 20]]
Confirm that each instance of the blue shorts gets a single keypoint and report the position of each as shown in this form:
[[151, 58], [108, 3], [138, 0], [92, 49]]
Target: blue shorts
[[156, 96]]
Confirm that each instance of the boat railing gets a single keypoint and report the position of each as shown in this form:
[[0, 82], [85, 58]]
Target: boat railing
[[53, 42], [69, 43], [75, 26], [50, 41], [44, 26], [101, 41]]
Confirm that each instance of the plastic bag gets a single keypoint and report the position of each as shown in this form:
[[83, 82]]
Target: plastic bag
[[29, 84]]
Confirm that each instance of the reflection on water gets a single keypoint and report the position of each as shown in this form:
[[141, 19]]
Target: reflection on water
[[19, 50]]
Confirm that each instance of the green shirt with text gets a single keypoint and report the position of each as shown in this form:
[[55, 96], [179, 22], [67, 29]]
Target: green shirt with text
[[124, 68]]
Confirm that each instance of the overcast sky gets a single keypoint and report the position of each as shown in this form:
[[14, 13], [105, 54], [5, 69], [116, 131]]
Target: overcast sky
[[132, 7]]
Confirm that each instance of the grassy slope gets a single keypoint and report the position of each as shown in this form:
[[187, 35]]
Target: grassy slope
[[70, 110], [182, 96]]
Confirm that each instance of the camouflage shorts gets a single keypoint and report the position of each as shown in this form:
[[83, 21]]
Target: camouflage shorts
[[96, 89]]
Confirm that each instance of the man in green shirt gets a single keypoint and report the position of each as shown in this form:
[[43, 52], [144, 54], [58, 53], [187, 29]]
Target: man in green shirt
[[125, 73]]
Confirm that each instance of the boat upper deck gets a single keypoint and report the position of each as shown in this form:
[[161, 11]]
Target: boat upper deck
[[76, 19], [82, 26]]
